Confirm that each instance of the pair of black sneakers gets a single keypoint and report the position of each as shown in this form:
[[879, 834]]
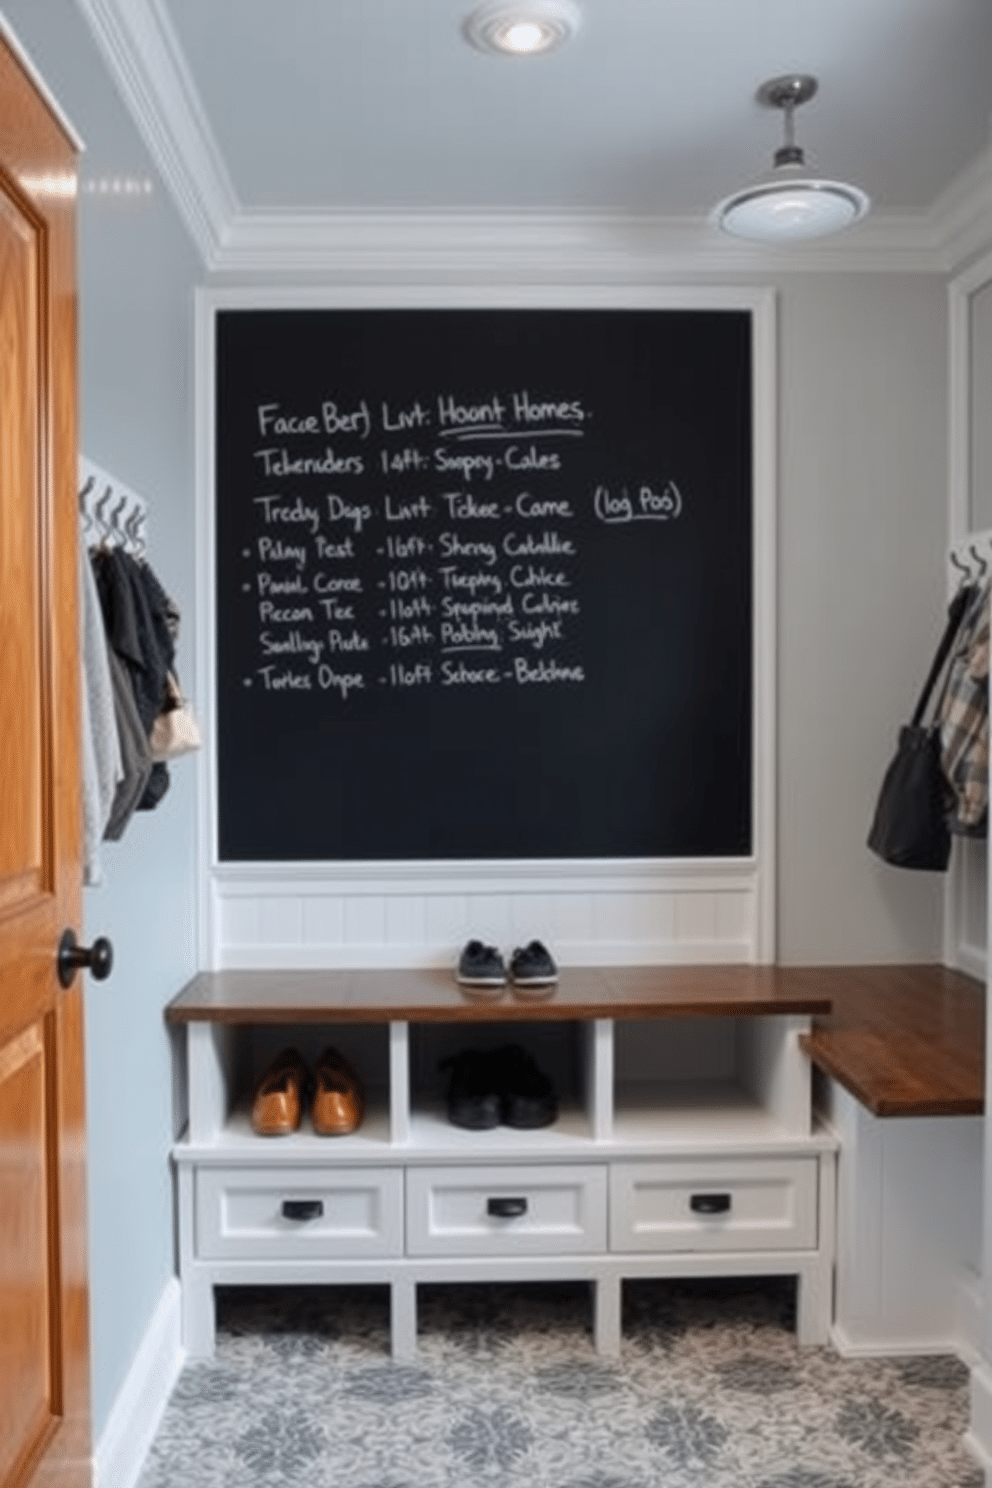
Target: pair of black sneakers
[[492, 1087], [481, 965]]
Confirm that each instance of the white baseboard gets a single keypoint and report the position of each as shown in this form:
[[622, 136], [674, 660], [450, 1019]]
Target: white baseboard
[[883, 1348], [137, 1411], [964, 1340], [978, 1438], [969, 1308], [976, 1453]]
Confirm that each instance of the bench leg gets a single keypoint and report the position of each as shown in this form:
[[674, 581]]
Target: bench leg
[[199, 1321], [403, 1320], [607, 1293]]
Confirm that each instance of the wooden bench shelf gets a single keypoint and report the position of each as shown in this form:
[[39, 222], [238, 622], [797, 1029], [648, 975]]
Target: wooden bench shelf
[[433, 996], [904, 1040]]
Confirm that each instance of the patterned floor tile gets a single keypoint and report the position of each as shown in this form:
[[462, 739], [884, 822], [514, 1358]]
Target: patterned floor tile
[[711, 1391]]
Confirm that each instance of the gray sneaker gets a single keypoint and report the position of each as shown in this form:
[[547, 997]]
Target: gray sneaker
[[481, 966]]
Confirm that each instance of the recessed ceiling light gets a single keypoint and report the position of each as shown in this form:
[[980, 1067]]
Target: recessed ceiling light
[[528, 29]]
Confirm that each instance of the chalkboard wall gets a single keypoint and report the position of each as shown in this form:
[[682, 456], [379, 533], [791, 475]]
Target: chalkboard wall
[[483, 584]]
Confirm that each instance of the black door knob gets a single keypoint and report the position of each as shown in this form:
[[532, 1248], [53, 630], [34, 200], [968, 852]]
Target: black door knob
[[98, 958]]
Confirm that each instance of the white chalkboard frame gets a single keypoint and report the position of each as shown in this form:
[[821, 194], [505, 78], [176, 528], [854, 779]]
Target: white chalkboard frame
[[601, 911]]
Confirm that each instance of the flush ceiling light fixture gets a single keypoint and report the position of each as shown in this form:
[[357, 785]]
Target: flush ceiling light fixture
[[528, 29], [789, 203]]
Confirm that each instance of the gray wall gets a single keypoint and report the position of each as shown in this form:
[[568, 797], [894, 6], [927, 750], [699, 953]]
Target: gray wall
[[136, 270], [862, 537], [862, 530]]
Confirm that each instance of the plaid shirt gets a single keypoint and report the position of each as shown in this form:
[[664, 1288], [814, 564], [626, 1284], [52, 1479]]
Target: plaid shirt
[[964, 720]]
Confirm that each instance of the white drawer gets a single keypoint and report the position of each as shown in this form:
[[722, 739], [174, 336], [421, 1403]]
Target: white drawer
[[710, 1204], [506, 1211], [298, 1213]]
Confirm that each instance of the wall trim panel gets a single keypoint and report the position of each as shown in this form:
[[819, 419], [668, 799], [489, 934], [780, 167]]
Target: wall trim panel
[[311, 922]]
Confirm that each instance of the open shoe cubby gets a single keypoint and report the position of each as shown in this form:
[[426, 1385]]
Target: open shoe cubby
[[654, 1081]]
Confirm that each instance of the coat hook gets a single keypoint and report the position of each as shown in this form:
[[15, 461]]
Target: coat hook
[[84, 506], [99, 512], [983, 567], [115, 518], [132, 526]]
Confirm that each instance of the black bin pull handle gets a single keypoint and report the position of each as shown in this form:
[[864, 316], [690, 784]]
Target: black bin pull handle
[[302, 1208], [506, 1208], [710, 1203]]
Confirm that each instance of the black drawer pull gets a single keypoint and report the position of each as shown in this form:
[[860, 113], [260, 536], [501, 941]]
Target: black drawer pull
[[712, 1203], [506, 1208], [302, 1208]]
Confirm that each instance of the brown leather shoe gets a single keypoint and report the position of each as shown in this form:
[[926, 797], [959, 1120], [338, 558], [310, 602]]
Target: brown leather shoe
[[278, 1105], [339, 1104]]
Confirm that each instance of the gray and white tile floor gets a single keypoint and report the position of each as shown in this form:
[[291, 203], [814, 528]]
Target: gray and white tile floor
[[711, 1391]]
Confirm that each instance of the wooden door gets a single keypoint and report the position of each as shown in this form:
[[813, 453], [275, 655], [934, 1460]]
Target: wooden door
[[44, 1383]]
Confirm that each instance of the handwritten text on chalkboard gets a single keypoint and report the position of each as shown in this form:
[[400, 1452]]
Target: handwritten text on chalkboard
[[428, 577]]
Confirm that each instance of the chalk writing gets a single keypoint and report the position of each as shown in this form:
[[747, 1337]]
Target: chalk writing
[[400, 559], [638, 503]]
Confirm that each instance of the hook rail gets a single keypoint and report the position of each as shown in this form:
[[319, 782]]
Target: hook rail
[[111, 513]]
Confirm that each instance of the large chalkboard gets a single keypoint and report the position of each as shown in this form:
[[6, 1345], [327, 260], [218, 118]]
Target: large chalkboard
[[483, 584]]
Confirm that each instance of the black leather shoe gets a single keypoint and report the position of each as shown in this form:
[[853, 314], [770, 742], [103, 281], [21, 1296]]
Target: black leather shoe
[[528, 1096], [473, 1093]]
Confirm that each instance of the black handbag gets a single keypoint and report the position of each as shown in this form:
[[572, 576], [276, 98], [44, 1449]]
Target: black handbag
[[910, 828]]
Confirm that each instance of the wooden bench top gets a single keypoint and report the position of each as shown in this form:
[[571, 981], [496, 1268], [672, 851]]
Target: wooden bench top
[[904, 1040], [433, 996]]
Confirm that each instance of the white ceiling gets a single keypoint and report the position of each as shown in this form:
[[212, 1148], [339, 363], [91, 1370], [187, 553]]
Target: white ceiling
[[284, 114]]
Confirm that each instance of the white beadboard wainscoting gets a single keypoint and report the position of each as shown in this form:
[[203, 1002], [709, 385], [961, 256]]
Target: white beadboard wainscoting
[[417, 914]]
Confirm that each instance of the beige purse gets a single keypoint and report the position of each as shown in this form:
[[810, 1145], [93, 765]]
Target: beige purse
[[175, 730]]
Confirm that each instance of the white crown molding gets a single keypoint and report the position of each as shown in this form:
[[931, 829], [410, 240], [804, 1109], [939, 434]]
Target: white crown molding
[[146, 59], [474, 247]]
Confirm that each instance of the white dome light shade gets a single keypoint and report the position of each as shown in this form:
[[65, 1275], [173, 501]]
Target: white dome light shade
[[788, 207], [527, 29], [789, 203]]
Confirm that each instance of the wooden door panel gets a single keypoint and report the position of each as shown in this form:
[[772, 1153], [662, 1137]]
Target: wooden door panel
[[44, 1346], [26, 1416], [29, 996], [20, 549]]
